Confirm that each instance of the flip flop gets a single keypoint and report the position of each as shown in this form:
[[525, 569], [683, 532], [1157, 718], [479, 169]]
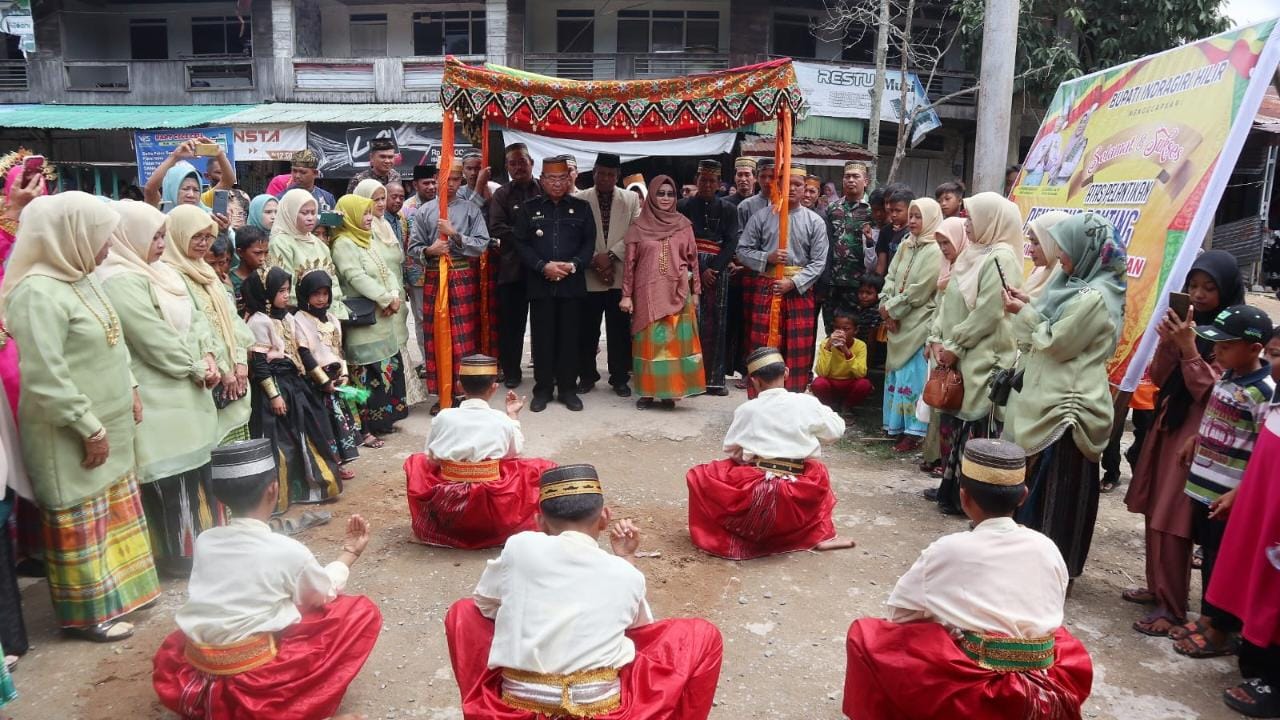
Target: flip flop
[[1149, 625], [1262, 703], [314, 518], [1202, 649], [1138, 596], [375, 443], [102, 632], [283, 526], [1195, 626]]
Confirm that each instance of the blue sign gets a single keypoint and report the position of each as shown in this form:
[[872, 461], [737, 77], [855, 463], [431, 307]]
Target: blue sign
[[153, 147]]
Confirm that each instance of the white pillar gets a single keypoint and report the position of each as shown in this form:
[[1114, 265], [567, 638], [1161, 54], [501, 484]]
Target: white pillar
[[995, 95]]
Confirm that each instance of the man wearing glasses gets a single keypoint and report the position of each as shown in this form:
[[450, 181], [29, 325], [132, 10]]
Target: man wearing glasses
[[555, 237]]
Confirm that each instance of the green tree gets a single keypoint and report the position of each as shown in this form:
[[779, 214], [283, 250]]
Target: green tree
[[1063, 39]]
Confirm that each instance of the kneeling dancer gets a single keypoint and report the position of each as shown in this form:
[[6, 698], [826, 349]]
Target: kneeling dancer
[[265, 632], [772, 494], [470, 489], [975, 626], [560, 628]]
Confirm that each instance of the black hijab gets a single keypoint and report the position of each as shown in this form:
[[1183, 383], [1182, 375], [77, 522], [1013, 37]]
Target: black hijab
[[1225, 271], [311, 282], [258, 292]]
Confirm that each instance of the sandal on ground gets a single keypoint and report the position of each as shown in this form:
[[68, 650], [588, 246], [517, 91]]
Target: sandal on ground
[[1109, 485], [644, 403], [1199, 625], [1157, 624], [1262, 702], [1138, 596], [102, 632], [283, 526], [667, 404], [741, 384], [314, 518], [372, 441], [1197, 646]]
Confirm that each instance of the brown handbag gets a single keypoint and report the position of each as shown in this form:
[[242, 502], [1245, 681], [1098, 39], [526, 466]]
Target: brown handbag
[[944, 390]]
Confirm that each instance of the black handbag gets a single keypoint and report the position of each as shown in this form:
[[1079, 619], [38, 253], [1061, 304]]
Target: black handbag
[[361, 312]]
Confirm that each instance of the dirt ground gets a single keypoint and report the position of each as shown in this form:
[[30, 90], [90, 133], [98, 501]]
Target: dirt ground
[[784, 618]]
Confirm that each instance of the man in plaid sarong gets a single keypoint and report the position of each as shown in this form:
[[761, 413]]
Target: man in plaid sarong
[[803, 262], [464, 237], [715, 226]]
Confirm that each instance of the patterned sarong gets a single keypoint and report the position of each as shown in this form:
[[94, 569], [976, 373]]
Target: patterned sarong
[[798, 328], [98, 558], [667, 357], [464, 315]]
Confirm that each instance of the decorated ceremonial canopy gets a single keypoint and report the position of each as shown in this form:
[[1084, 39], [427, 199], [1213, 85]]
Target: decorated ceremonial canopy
[[657, 109]]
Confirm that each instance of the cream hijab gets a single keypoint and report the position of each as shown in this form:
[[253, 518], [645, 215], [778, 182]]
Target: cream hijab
[[931, 219], [139, 223], [1035, 284], [286, 224], [59, 236], [186, 221], [997, 228], [952, 229], [382, 229]]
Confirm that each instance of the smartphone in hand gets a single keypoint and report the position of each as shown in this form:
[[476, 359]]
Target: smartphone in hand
[[1004, 282], [220, 198], [31, 165], [1179, 303]]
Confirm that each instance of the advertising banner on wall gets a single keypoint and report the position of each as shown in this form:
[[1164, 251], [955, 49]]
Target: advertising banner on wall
[[1150, 145], [344, 150], [269, 142], [844, 91], [153, 146]]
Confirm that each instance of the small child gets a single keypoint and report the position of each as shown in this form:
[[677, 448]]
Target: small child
[[840, 376], [1271, 353], [950, 195], [471, 489], [318, 335], [285, 408], [897, 202], [219, 258], [1218, 454], [251, 248], [265, 631], [867, 318]]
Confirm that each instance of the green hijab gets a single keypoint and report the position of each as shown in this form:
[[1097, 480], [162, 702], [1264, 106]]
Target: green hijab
[[353, 209], [1098, 263]]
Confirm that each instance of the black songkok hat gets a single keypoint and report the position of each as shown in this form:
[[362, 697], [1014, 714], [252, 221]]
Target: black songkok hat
[[709, 167], [244, 459], [762, 358], [569, 480], [608, 160], [478, 365], [994, 462], [426, 171], [379, 144]]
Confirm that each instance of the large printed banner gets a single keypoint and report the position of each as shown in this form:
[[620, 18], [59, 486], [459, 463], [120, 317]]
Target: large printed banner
[[844, 91], [344, 151], [153, 146], [1150, 145]]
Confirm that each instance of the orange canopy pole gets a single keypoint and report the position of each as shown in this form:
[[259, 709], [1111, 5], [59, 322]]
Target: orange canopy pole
[[782, 195], [486, 345], [441, 330]]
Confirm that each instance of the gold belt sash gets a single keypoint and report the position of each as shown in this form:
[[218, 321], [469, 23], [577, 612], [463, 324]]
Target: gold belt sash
[[708, 247], [567, 706], [781, 465], [1008, 654], [251, 653], [470, 472], [787, 270]]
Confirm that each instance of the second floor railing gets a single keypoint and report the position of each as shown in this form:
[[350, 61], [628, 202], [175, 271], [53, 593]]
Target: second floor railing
[[623, 66]]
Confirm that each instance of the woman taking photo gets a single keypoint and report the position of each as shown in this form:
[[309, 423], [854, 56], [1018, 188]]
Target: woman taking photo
[[907, 306], [1062, 414], [295, 248], [77, 416], [661, 262], [1184, 369], [191, 231], [369, 265], [163, 332], [971, 332]]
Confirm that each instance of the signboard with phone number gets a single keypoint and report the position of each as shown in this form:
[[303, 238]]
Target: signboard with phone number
[[153, 146]]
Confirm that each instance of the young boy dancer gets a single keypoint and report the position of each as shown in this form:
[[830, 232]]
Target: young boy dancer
[[560, 628], [470, 489]]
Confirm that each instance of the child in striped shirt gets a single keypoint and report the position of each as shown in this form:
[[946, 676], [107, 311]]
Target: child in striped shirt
[[1218, 454]]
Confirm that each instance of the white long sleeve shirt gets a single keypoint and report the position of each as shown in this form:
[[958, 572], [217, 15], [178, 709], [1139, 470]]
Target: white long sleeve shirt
[[561, 604], [249, 580], [472, 432], [781, 424], [999, 577]]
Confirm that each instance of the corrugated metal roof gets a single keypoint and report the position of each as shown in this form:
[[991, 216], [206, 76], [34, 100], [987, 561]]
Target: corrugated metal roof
[[286, 113], [112, 117]]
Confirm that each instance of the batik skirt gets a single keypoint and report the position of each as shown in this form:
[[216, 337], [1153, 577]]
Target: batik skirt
[[667, 357], [178, 508], [464, 321], [797, 330], [902, 389], [98, 558], [345, 426], [307, 457], [1063, 503], [953, 441], [472, 515], [386, 405]]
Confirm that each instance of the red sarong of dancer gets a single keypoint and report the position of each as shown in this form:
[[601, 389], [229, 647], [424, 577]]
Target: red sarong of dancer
[[673, 676], [317, 659], [916, 671], [736, 512], [472, 515]]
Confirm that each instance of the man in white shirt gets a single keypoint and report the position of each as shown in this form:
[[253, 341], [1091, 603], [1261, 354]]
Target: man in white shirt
[[558, 627], [265, 631], [802, 262], [975, 626], [471, 489], [772, 494]]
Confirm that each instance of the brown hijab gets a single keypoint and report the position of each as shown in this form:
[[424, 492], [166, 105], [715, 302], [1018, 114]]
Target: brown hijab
[[655, 223]]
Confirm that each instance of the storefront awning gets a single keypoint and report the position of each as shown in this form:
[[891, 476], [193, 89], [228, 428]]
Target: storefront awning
[[372, 113], [112, 117]]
